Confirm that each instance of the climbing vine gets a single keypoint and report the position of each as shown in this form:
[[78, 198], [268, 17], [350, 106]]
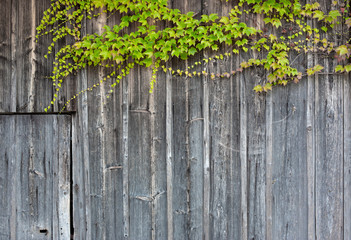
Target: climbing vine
[[286, 27]]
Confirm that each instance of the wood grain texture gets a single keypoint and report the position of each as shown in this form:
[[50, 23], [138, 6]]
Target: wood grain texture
[[256, 152], [329, 156], [196, 159], [26, 85], [158, 159], [140, 195], [5, 56], [35, 192], [347, 160]]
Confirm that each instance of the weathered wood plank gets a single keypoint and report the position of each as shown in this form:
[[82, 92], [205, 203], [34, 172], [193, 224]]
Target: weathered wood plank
[[180, 101], [140, 201], [5, 56], [125, 159], [80, 165], [96, 143], [329, 155], [158, 158], [329, 114], [310, 151], [289, 175], [347, 158], [38, 176], [256, 154], [7, 191], [113, 129], [169, 156], [207, 170], [194, 138], [220, 118], [179, 164], [24, 54], [269, 170]]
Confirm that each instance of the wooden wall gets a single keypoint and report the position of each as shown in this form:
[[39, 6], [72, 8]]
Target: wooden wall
[[196, 159]]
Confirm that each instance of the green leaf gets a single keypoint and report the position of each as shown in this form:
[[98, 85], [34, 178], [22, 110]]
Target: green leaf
[[339, 68], [334, 14], [319, 15], [213, 17], [325, 29], [192, 51], [348, 68], [258, 88], [342, 50]]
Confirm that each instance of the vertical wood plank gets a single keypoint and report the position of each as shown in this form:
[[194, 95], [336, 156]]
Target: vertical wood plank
[[158, 127], [195, 121], [269, 160], [329, 146], [179, 181], [5, 55], [289, 175], [24, 43], [243, 158], [206, 142], [180, 100], [347, 158], [311, 160], [125, 159], [329, 155], [64, 177], [256, 155], [139, 155], [169, 157], [220, 99], [80, 165], [42, 92], [14, 81]]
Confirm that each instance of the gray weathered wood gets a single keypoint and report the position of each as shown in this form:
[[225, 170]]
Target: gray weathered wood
[[159, 158], [289, 163], [329, 155], [35, 192], [169, 156], [347, 159], [180, 181], [140, 198], [5, 56], [256, 152], [196, 159], [80, 166]]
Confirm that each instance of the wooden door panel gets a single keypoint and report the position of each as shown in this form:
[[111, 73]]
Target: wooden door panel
[[35, 176]]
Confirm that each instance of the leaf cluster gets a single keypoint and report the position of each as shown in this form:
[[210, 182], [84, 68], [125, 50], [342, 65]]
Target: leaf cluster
[[138, 39]]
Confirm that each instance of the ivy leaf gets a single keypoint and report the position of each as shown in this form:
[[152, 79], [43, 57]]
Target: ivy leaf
[[213, 17], [107, 28], [313, 70], [334, 14], [325, 29], [258, 88], [339, 68], [319, 15], [348, 68], [224, 20], [204, 18], [342, 50], [105, 54], [192, 51], [267, 86]]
